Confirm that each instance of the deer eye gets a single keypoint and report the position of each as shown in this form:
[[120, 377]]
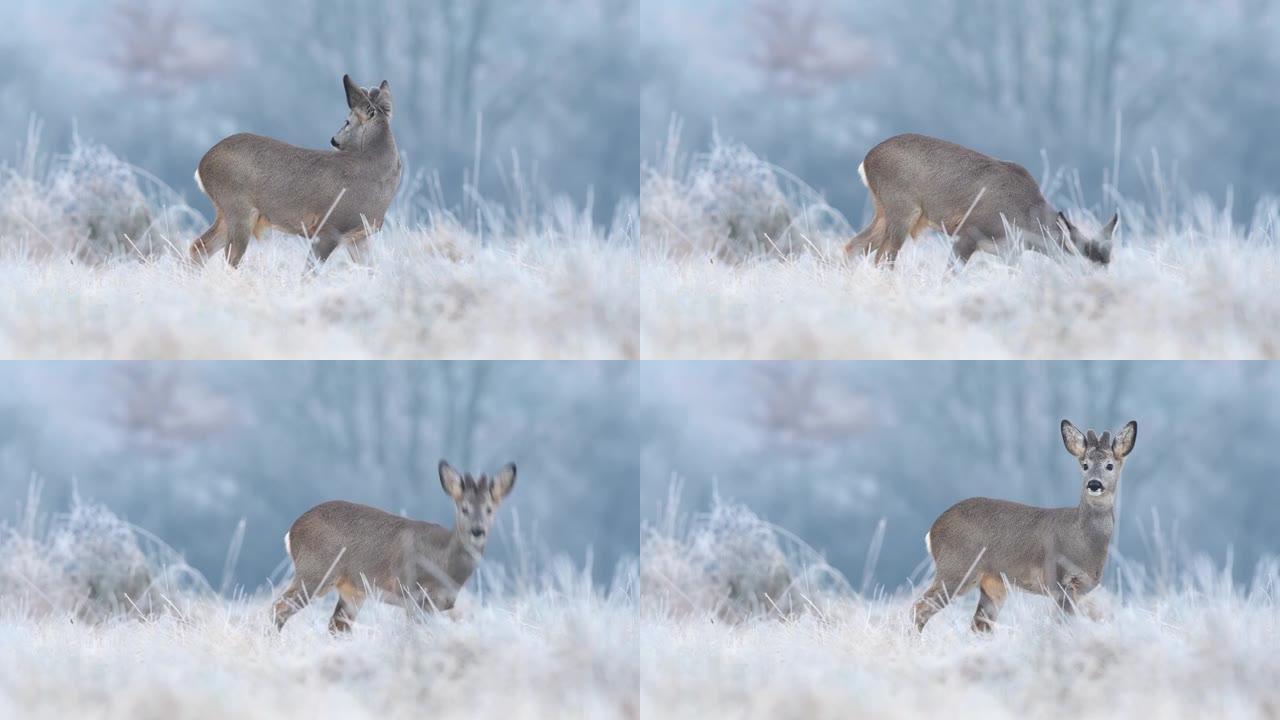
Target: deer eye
[[466, 510], [488, 511], [1085, 465], [1110, 466]]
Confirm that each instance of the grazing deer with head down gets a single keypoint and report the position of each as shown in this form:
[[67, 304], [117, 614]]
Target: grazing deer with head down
[[919, 183], [1059, 552], [330, 197], [357, 549]]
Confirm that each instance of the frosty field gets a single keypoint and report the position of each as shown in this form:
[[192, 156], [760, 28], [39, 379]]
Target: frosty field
[[725, 257], [1185, 654], [740, 618], [98, 619]]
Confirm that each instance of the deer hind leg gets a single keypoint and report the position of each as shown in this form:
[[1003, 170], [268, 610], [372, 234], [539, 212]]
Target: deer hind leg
[[992, 593], [870, 236], [293, 599], [899, 223], [239, 228], [210, 242], [350, 598], [931, 601]]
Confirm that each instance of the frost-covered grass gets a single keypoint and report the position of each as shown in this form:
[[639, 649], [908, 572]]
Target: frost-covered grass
[[540, 643], [725, 257], [1187, 654], [1184, 642], [93, 264], [742, 260], [437, 292]]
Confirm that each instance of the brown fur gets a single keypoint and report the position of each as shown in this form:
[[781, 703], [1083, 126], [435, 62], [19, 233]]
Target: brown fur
[[257, 183], [919, 183]]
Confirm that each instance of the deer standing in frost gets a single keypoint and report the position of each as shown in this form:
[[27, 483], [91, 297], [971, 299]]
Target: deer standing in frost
[[330, 197], [357, 549], [920, 183], [1059, 552]]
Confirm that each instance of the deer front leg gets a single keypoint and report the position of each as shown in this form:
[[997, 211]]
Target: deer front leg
[[323, 246], [967, 242]]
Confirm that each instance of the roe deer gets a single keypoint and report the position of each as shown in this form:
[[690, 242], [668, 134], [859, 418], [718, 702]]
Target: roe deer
[[1059, 552], [329, 197], [919, 183], [356, 548]]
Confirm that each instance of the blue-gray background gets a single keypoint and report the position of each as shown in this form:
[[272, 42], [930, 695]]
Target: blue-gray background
[[185, 450], [550, 83], [825, 450], [813, 84]]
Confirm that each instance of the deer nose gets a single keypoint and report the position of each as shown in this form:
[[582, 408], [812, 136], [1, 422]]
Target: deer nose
[[333, 142], [1094, 486], [477, 532]]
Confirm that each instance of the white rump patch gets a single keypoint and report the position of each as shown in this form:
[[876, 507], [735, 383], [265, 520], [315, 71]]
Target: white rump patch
[[862, 173], [286, 535], [200, 185]]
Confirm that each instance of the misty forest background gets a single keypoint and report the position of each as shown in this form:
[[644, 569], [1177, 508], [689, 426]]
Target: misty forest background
[[561, 91], [549, 85], [823, 450], [187, 450], [811, 85]]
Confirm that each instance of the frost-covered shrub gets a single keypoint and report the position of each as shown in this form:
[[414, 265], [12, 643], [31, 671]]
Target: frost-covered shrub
[[91, 203], [87, 562], [730, 562], [730, 203]]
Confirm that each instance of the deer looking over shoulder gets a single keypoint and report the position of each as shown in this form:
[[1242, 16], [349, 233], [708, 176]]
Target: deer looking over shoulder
[[355, 548], [1059, 552], [920, 183], [329, 196]]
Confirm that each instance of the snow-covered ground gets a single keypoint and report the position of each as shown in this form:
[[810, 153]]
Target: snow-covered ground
[[725, 257], [99, 620], [1188, 653], [739, 618]]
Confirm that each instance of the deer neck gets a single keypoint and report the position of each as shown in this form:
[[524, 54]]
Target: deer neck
[[1096, 522], [461, 558]]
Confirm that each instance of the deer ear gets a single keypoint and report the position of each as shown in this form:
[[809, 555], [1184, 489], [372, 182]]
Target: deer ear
[[1072, 439], [380, 98], [1110, 228], [503, 481], [1123, 444], [356, 97], [450, 480]]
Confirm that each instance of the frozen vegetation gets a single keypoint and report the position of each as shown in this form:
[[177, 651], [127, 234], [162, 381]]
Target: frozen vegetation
[[726, 257], [743, 260], [1180, 641], [98, 620], [735, 617]]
